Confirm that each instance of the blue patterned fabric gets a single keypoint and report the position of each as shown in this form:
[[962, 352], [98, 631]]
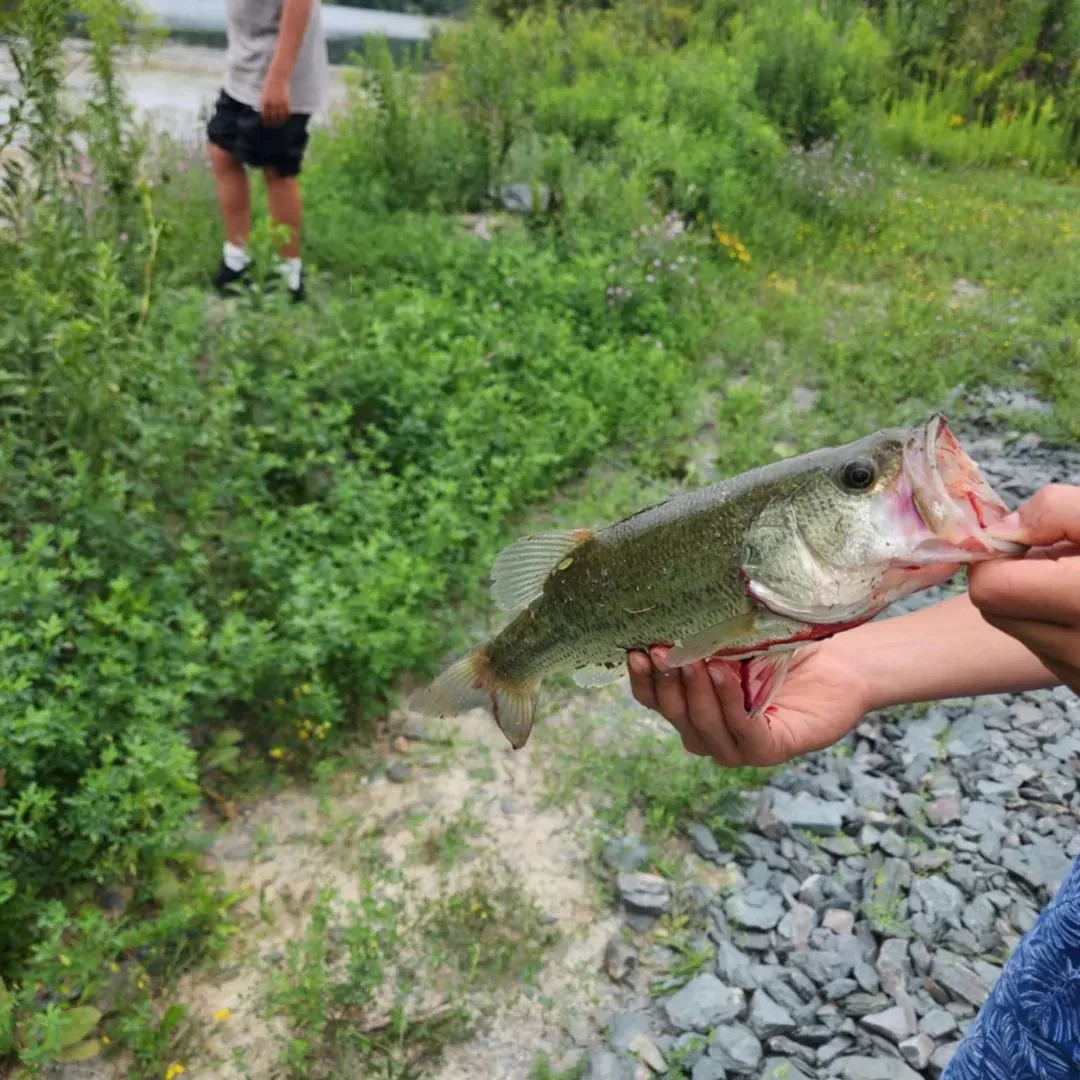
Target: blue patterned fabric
[[1029, 1028]]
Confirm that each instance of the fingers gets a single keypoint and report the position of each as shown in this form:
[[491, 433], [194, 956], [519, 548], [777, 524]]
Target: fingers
[[1056, 646], [661, 689], [641, 680], [688, 698], [706, 711], [1052, 514], [1044, 589]]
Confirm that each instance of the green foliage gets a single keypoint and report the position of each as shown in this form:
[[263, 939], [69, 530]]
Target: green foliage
[[813, 74], [347, 990], [944, 126], [624, 769]]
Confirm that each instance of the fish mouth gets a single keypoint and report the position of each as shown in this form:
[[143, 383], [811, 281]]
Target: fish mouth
[[953, 499]]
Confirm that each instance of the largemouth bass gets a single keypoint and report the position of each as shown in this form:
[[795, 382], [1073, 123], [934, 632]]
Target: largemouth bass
[[751, 569]]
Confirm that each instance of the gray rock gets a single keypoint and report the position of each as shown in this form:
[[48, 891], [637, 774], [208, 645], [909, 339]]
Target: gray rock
[[646, 894], [803, 811], [893, 966], [644, 1049], [704, 842], [866, 977], [959, 980], [983, 816], [604, 1065], [967, 737], [831, 1050], [782, 1069], [796, 925], [734, 967], [943, 811], [767, 1018], [625, 1027], [736, 1048], [703, 1002], [838, 920], [757, 909], [708, 1068], [518, 198], [625, 853], [1042, 865], [916, 1050], [400, 772], [874, 1068], [941, 900], [836, 989], [941, 1057], [871, 792], [893, 843], [620, 959], [837, 962], [895, 1024], [937, 1023], [980, 915], [782, 1046]]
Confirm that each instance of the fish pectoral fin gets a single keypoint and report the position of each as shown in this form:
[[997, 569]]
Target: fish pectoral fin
[[521, 569], [711, 640], [762, 676], [593, 675]]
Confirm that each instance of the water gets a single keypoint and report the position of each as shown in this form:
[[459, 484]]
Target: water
[[175, 86]]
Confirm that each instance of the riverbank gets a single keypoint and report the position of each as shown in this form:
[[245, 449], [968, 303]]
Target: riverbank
[[172, 88]]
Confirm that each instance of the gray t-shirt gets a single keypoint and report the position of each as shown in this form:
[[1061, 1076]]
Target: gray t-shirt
[[253, 33]]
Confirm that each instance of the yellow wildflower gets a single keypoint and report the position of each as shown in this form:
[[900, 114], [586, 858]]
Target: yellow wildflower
[[222, 1015], [173, 1071], [277, 753]]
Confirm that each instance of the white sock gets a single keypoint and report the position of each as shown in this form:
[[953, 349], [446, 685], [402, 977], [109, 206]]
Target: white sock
[[291, 269], [236, 258]]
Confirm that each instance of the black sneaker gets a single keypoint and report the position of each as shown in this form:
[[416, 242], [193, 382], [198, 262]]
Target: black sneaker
[[227, 280], [298, 294]]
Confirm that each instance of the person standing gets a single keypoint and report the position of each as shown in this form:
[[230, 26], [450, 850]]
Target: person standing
[[277, 76]]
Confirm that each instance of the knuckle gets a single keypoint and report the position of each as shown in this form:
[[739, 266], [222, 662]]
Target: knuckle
[[986, 588]]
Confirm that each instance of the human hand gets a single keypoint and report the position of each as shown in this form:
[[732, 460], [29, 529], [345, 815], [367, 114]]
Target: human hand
[[275, 100], [1037, 599], [823, 696]]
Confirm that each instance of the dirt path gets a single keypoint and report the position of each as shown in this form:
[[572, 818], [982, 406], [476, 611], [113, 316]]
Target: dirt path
[[469, 791]]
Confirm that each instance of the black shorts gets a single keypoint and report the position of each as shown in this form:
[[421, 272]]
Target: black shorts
[[238, 129]]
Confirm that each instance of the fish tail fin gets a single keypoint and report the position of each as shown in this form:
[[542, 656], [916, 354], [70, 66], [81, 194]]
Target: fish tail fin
[[471, 684]]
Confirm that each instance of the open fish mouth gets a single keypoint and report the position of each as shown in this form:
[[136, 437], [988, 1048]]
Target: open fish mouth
[[952, 498]]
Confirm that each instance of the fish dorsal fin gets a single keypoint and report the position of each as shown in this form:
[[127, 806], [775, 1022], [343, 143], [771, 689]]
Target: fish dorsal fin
[[520, 569]]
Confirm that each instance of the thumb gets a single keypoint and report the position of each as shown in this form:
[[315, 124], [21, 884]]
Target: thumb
[[1050, 516]]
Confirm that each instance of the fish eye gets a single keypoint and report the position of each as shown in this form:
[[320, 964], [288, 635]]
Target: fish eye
[[858, 475]]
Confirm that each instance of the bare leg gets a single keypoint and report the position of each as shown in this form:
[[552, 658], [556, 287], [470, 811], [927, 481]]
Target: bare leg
[[286, 208], [234, 195]]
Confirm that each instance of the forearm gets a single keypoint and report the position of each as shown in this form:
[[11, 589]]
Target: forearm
[[944, 651], [294, 22]]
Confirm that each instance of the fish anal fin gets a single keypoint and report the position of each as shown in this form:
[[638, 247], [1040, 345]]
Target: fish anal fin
[[471, 684], [521, 569], [711, 640], [593, 675], [762, 677]]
